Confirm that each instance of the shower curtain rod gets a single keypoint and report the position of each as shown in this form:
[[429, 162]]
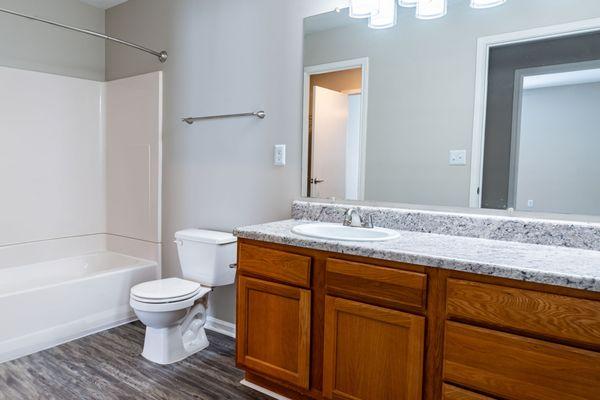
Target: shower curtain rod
[[162, 55]]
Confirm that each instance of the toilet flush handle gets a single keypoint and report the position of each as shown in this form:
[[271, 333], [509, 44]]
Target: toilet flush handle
[[178, 242]]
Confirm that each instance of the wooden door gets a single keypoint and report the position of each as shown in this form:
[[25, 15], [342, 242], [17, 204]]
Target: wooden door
[[371, 353], [273, 335]]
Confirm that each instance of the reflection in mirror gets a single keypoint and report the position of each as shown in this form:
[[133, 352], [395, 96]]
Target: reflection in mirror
[[556, 162], [334, 129], [542, 133], [389, 113]]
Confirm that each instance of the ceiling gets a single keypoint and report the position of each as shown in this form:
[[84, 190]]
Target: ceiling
[[103, 3]]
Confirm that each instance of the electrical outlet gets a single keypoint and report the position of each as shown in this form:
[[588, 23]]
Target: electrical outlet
[[458, 157], [279, 155], [530, 203]]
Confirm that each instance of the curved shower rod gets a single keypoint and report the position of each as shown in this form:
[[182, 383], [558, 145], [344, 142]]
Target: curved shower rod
[[162, 55]]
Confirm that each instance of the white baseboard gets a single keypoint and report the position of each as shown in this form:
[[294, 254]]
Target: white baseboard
[[220, 326], [262, 390]]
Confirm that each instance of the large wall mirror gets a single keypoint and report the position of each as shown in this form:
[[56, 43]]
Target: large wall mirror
[[458, 112]]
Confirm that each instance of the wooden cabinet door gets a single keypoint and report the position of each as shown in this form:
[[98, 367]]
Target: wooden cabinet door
[[371, 353], [273, 330]]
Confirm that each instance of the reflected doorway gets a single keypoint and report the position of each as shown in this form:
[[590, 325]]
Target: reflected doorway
[[334, 130]]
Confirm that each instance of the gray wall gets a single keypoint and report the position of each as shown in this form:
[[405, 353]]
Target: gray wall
[[559, 166], [35, 46], [224, 56], [421, 91]]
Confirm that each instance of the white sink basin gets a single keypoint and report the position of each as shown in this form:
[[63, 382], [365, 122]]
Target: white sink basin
[[340, 232]]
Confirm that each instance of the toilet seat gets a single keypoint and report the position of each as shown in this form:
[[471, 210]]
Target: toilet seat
[[163, 290], [139, 304], [166, 294], [164, 300]]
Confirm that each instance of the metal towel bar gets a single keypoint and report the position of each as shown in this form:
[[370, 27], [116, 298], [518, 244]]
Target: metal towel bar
[[258, 114]]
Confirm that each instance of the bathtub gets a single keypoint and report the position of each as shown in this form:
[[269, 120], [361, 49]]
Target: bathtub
[[51, 302]]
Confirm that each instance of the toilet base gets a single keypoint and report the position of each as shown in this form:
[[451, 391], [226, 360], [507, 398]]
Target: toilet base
[[168, 345], [173, 343]]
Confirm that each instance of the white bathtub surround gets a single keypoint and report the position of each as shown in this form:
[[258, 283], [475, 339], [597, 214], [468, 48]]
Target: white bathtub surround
[[574, 234], [52, 159], [80, 164], [134, 247], [36, 252], [48, 303], [79, 157], [134, 157]]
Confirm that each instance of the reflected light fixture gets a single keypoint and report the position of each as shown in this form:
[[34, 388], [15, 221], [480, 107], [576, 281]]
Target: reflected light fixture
[[363, 8], [387, 16], [431, 9], [384, 13], [407, 3], [486, 3]]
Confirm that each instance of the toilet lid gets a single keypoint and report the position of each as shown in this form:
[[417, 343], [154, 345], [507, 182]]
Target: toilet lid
[[165, 289]]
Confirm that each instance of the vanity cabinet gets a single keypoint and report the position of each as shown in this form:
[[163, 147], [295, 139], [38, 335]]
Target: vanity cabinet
[[320, 325], [274, 313]]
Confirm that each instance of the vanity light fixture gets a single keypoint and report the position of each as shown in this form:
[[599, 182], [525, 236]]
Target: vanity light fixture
[[387, 16], [486, 3], [363, 8], [383, 13], [431, 9]]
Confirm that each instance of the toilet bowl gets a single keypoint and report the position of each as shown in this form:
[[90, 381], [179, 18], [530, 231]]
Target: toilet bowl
[[174, 309]]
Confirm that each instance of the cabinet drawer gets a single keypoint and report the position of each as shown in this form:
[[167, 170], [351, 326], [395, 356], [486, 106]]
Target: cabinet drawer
[[380, 285], [275, 264], [517, 368], [456, 393], [549, 315]]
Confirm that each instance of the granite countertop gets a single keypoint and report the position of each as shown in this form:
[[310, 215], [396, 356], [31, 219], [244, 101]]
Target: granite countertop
[[554, 265]]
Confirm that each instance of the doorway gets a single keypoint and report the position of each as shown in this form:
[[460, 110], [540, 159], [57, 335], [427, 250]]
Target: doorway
[[335, 130]]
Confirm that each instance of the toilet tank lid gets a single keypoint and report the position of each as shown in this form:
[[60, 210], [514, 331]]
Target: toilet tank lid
[[205, 236]]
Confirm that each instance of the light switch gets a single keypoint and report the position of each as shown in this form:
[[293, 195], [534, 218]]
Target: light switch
[[458, 157], [279, 155]]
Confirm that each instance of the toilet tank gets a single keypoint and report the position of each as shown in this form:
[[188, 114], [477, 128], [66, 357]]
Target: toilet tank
[[206, 256]]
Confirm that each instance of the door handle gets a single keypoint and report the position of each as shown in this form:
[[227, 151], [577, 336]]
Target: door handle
[[316, 181]]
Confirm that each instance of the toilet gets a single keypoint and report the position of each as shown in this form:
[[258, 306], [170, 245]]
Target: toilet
[[174, 309]]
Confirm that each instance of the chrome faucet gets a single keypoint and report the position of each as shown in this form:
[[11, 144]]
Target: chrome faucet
[[352, 218]]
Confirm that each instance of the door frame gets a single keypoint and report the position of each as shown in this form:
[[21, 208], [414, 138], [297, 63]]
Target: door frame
[[484, 45], [362, 63]]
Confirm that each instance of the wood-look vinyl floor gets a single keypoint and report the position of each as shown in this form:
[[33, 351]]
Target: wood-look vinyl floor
[[108, 366]]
